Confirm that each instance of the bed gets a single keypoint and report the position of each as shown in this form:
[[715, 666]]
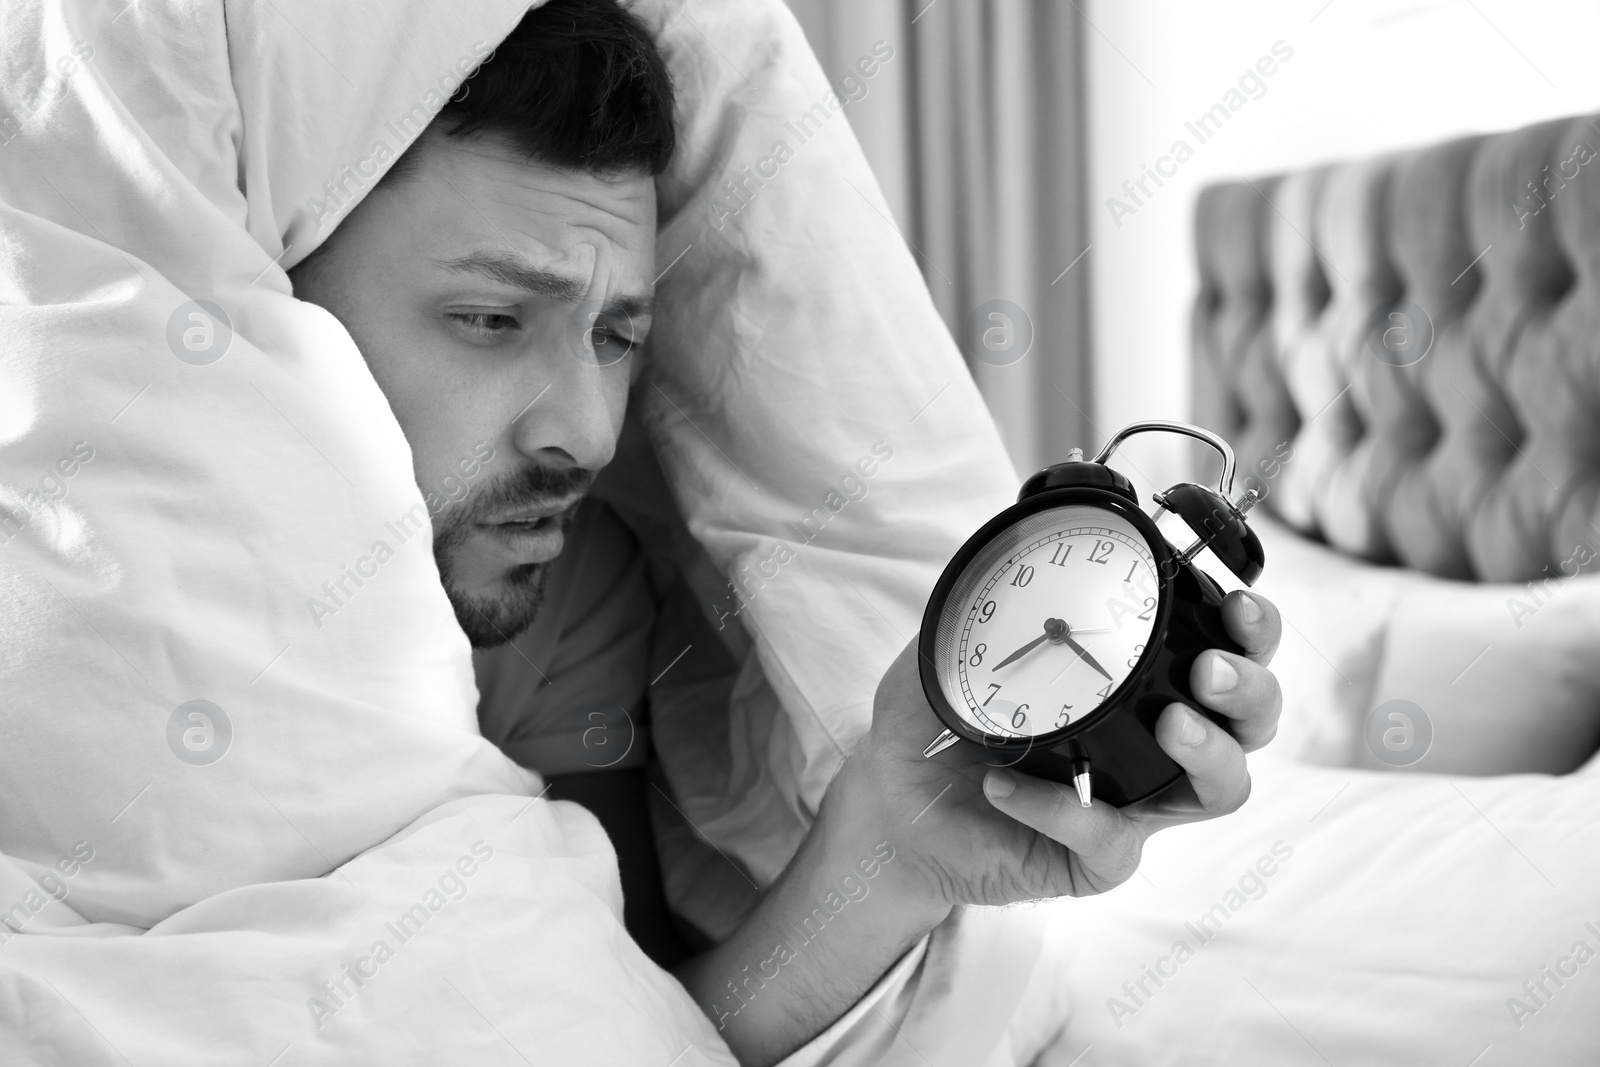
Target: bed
[[1403, 352]]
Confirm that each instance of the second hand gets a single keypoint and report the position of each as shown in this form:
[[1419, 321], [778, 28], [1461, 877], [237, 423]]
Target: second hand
[[1075, 659]]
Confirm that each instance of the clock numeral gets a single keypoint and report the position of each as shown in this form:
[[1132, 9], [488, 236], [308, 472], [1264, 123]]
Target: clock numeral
[[1096, 555], [1134, 662], [986, 612], [1059, 557], [1131, 569], [1149, 606], [1104, 692], [977, 654], [993, 689], [1023, 576], [1064, 715], [1019, 718]]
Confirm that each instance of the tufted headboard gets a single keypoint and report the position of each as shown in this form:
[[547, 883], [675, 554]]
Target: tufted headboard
[[1405, 350]]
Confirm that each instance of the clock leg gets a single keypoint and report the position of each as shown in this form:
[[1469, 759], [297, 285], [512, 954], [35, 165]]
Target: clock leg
[[1082, 779]]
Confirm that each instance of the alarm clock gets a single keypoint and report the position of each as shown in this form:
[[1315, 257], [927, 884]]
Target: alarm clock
[[1060, 631]]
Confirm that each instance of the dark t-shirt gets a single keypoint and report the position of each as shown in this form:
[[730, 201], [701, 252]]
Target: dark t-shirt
[[568, 695], [570, 698]]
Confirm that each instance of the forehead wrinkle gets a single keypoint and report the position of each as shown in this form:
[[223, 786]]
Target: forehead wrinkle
[[608, 211], [612, 206], [502, 165]]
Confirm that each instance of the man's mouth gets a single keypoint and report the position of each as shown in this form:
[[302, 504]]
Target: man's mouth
[[533, 516], [533, 534]]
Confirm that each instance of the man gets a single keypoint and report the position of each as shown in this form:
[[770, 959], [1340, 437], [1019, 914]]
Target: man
[[498, 283]]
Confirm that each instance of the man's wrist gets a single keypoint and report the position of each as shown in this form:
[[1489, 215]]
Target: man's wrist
[[843, 913], [847, 907], [854, 826], [856, 815]]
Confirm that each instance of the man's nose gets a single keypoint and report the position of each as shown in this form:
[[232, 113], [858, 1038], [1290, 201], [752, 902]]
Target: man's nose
[[568, 420]]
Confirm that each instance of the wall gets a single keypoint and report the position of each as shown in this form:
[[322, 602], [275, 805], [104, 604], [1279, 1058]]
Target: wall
[[1363, 77]]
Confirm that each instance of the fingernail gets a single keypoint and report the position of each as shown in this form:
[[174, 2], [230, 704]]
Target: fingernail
[[1249, 608], [999, 784], [1191, 732], [1223, 675]]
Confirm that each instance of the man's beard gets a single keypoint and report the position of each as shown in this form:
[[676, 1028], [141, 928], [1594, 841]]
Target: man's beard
[[498, 619]]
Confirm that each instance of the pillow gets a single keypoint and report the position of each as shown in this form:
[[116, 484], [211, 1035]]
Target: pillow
[[804, 396], [1335, 610], [1349, 917], [1488, 679]]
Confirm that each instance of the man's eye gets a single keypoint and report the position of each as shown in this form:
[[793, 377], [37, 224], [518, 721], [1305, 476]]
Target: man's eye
[[600, 335], [484, 323]]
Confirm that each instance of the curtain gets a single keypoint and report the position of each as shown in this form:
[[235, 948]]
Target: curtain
[[975, 128]]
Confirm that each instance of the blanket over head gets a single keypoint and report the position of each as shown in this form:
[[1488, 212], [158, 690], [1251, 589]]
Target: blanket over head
[[190, 457]]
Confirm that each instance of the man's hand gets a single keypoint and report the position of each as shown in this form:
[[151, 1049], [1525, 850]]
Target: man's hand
[[994, 836], [958, 831]]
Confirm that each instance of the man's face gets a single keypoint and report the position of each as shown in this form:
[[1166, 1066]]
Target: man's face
[[499, 304]]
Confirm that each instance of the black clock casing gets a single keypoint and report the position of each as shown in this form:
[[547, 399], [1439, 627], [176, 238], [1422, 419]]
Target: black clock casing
[[1117, 739]]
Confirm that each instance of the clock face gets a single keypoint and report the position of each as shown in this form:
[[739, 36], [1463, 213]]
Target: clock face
[[1046, 621]]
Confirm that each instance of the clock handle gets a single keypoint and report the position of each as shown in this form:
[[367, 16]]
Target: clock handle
[[1224, 483]]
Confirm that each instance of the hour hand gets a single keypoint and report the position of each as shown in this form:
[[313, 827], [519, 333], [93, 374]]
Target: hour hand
[[1023, 651], [1053, 629]]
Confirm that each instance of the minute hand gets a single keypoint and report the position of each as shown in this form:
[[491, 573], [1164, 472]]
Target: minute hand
[[1083, 654]]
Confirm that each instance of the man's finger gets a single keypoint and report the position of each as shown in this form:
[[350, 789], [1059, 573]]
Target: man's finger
[[1210, 756], [1248, 694], [1253, 621], [1106, 841]]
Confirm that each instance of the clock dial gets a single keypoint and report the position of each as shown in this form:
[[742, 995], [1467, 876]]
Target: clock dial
[[1047, 621]]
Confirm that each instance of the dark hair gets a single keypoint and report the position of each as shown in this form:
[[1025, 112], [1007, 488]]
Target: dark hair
[[579, 84]]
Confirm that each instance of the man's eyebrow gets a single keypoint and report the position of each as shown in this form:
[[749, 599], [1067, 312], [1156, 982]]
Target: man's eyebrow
[[511, 269], [630, 307]]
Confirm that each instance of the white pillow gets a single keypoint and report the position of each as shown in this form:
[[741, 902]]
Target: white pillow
[[1504, 677], [1335, 611], [822, 437], [1464, 658]]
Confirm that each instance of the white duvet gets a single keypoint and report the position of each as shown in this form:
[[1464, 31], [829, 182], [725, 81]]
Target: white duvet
[[238, 829]]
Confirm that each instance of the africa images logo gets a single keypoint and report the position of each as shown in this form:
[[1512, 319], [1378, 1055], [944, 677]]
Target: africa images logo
[[1399, 733], [451, 886], [853, 887], [1252, 885], [199, 733], [851, 487], [350, 181], [1205, 126], [736, 194]]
